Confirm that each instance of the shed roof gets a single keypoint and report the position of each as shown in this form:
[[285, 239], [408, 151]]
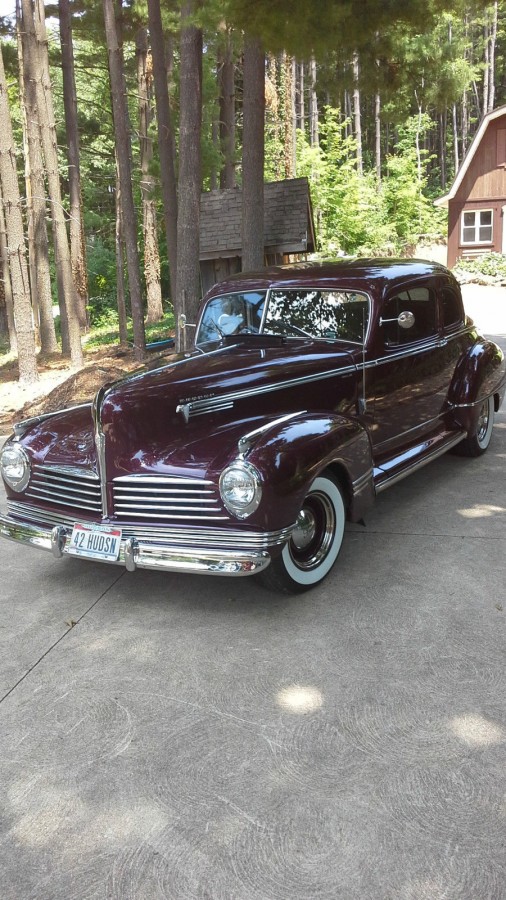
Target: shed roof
[[485, 122], [288, 220]]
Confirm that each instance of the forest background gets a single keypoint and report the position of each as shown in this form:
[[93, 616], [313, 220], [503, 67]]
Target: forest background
[[115, 116]]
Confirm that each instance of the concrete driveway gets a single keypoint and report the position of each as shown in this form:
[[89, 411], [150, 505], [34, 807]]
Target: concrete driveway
[[179, 737]]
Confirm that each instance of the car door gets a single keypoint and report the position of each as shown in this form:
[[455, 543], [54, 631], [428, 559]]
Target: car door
[[408, 381]]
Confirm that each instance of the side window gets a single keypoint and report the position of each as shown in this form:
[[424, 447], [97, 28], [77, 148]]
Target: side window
[[333, 315], [421, 302], [451, 307]]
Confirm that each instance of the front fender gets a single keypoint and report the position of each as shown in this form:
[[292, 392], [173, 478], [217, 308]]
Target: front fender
[[291, 455], [480, 372]]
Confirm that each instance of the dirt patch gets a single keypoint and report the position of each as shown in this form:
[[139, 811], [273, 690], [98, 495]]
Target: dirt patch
[[58, 387]]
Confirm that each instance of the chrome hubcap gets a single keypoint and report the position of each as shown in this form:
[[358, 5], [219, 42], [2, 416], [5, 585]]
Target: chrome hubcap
[[483, 422], [304, 530], [314, 532]]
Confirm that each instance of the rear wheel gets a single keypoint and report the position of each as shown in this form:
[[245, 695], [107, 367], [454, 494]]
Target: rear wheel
[[477, 443], [315, 542]]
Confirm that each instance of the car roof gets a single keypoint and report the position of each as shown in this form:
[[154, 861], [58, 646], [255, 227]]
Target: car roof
[[371, 275]]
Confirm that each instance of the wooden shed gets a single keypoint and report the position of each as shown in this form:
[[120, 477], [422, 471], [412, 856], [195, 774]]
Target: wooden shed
[[288, 227], [477, 199]]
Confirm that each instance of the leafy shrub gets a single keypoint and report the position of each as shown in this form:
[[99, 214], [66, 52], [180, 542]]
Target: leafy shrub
[[101, 262], [490, 264]]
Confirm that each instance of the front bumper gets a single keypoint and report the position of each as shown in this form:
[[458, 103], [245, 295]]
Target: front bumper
[[139, 554]]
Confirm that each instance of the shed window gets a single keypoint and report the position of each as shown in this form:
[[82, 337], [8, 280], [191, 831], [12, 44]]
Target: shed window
[[477, 226]]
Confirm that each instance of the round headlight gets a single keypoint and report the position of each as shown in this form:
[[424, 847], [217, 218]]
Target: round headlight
[[15, 466], [240, 489]]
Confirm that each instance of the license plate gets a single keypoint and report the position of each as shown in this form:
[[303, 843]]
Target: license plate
[[95, 541]]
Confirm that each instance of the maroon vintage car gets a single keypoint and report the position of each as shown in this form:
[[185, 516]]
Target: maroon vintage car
[[311, 388]]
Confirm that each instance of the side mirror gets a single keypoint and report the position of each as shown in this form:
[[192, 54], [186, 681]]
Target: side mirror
[[404, 320], [183, 323]]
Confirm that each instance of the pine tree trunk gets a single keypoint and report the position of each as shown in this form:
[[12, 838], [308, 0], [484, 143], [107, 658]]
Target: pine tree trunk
[[491, 59], [226, 83], [455, 138], [166, 141], [32, 271], [442, 148], [6, 281], [356, 113], [77, 241], [37, 44], [253, 155], [190, 178], [40, 275], [301, 112], [274, 103], [314, 130], [465, 125], [27, 361], [151, 252], [120, 267], [486, 69], [289, 116], [377, 135], [124, 156]]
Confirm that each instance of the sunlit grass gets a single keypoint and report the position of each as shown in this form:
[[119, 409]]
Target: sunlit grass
[[108, 333]]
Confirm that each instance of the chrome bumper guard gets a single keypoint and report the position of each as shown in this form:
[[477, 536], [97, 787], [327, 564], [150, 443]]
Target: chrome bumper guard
[[136, 554]]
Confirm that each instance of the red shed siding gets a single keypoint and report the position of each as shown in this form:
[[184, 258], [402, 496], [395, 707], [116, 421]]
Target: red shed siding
[[483, 187]]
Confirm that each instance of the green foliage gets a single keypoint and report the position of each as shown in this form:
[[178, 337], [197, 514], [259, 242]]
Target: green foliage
[[408, 205], [490, 264], [354, 214], [101, 263]]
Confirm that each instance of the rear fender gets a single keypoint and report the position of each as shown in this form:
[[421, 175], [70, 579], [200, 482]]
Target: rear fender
[[290, 456], [480, 372]]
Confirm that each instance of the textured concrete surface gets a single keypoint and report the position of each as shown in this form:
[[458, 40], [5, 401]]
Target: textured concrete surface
[[200, 738]]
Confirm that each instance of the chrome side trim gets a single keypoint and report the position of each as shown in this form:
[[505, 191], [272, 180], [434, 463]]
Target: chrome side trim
[[225, 401], [135, 554], [199, 407], [417, 463], [471, 405]]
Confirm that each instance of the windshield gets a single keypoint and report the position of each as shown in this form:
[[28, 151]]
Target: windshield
[[231, 314], [298, 312]]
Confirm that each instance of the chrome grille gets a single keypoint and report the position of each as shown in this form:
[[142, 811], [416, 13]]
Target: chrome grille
[[182, 536], [168, 498], [66, 486]]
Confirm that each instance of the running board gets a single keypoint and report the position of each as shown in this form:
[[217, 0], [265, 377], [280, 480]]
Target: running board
[[414, 458]]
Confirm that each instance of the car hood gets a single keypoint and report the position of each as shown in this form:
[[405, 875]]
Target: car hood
[[188, 416]]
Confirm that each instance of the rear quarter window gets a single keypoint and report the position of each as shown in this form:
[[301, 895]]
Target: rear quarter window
[[420, 301], [451, 307]]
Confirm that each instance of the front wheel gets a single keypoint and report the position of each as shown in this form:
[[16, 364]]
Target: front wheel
[[475, 444], [315, 542]]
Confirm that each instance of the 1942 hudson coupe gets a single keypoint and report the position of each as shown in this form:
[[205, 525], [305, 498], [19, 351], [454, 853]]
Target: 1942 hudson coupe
[[311, 388]]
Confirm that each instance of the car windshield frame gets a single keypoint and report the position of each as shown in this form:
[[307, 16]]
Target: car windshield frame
[[227, 322]]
